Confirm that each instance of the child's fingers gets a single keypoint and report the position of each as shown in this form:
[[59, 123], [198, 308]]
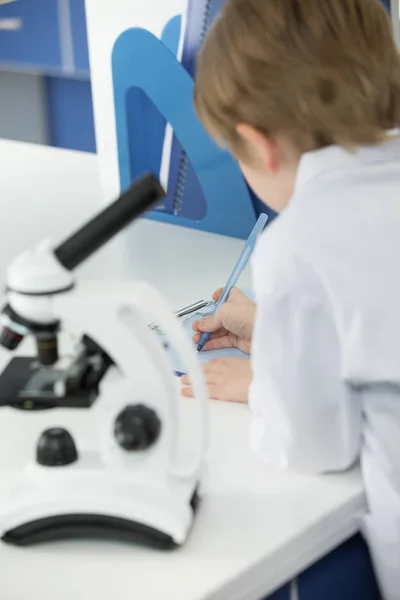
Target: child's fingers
[[187, 392], [227, 380], [215, 392], [213, 372], [215, 343], [217, 294], [195, 325], [216, 386], [216, 366], [213, 336], [213, 376], [214, 323], [212, 390], [236, 296], [218, 343], [198, 326]]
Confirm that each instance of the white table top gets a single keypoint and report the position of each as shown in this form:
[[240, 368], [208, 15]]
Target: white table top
[[256, 528]]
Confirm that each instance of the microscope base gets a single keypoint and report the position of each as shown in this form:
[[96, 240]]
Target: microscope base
[[88, 501]]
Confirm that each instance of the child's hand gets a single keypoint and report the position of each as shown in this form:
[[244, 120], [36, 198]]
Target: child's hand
[[231, 326], [227, 379]]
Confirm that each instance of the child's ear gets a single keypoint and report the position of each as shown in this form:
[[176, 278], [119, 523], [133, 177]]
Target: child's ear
[[263, 148]]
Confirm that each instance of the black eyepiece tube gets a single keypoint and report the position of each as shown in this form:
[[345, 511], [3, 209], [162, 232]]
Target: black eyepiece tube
[[140, 197]]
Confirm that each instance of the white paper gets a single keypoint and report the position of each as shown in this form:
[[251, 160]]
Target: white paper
[[204, 356]]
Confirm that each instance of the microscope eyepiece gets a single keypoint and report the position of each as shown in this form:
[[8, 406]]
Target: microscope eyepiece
[[10, 339], [12, 331], [143, 194], [15, 328]]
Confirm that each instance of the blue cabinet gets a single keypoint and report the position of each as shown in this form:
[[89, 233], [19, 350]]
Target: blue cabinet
[[70, 114], [282, 594], [29, 34], [50, 37], [79, 35], [44, 35], [346, 573]]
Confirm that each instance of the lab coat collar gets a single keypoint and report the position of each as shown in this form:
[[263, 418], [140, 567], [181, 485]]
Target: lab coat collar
[[335, 158]]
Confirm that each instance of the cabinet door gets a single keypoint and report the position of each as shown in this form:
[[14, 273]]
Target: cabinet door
[[79, 36], [70, 118], [29, 34]]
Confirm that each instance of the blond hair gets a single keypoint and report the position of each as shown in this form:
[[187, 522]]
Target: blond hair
[[321, 72]]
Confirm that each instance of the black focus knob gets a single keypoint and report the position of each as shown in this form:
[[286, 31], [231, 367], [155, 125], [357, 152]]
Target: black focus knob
[[137, 428], [56, 448]]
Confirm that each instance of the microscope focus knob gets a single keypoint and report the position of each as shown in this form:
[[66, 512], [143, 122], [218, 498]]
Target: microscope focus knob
[[137, 428], [56, 448]]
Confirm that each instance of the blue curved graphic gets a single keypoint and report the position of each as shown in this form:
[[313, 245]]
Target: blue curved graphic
[[171, 34], [141, 61]]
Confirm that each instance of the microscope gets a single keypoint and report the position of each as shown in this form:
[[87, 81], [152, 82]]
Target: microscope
[[139, 481]]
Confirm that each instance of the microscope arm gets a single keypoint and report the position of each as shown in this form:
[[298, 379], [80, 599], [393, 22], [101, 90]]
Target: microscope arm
[[117, 320], [42, 294]]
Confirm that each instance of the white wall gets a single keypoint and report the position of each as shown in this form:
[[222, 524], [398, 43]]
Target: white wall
[[48, 192], [106, 20], [23, 108]]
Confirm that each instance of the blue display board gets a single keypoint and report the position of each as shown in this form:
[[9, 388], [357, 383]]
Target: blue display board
[[205, 189], [166, 84]]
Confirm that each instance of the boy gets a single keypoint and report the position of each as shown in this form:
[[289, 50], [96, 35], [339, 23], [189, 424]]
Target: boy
[[306, 94]]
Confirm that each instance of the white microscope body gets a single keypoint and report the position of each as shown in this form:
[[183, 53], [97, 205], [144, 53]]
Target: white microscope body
[[139, 482]]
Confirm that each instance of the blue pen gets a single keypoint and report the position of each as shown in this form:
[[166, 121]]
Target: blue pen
[[237, 271]]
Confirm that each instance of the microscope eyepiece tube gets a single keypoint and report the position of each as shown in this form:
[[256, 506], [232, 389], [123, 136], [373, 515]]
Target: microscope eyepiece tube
[[13, 329], [10, 339], [140, 197]]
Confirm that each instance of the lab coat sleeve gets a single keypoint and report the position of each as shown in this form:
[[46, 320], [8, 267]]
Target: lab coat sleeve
[[304, 416]]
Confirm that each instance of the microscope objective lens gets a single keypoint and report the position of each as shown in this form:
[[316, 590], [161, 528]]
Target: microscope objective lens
[[47, 349]]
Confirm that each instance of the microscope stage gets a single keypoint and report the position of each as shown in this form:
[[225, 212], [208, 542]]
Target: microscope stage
[[17, 391]]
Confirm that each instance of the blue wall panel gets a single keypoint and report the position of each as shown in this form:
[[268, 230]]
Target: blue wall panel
[[71, 121], [79, 35]]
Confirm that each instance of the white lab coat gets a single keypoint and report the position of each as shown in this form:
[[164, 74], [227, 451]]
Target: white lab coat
[[326, 347]]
